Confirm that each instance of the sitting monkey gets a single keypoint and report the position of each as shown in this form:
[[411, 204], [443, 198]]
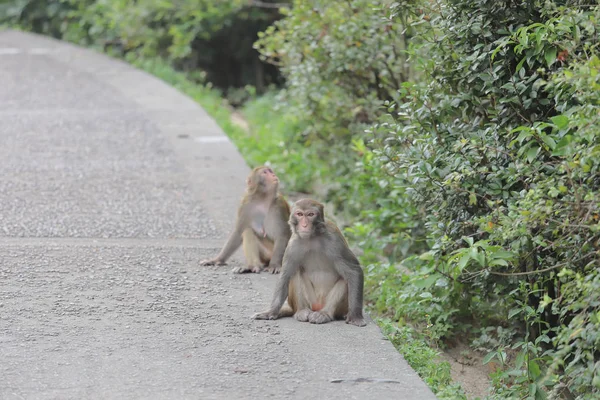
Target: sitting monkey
[[261, 226], [321, 277]]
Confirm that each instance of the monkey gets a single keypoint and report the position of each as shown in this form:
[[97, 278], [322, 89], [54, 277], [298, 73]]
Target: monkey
[[321, 278], [261, 227]]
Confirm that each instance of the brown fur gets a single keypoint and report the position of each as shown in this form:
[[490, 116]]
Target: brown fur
[[321, 278], [261, 226]]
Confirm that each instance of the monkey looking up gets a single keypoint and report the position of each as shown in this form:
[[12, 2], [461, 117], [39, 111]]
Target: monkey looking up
[[261, 227], [321, 277]]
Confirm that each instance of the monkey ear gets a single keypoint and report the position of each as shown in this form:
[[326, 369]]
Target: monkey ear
[[250, 185]]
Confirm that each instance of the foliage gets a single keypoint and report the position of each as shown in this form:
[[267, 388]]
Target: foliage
[[497, 150], [190, 34], [341, 61]]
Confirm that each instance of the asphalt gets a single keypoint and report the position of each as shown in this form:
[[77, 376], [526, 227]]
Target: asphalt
[[113, 186]]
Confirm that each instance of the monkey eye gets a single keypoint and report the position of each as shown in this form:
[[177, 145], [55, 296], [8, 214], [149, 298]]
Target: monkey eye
[[298, 214], [311, 214]]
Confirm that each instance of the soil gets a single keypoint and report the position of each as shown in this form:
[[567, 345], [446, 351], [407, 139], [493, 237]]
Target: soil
[[467, 369]]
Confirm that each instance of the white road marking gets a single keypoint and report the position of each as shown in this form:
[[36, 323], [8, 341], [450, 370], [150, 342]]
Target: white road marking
[[211, 139], [9, 51]]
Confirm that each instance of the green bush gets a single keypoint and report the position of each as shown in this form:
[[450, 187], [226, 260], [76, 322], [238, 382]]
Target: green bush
[[498, 151], [341, 61]]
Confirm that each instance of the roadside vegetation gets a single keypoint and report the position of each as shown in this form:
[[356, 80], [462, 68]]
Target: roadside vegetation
[[458, 140]]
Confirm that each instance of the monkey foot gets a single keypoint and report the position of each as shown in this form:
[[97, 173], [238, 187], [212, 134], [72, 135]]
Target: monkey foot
[[319, 318], [264, 315], [274, 269], [247, 269], [302, 315], [358, 321], [212, 262]]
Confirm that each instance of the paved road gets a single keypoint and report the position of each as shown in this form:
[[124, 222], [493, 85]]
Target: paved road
[[112, 187]]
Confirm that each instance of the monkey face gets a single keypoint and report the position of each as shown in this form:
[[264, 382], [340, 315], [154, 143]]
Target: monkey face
[[262, 180], [268, 177], [304, 221]]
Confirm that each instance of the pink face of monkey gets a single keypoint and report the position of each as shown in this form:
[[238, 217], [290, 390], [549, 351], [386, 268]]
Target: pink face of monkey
[[305, 218], [269, 177], [262, 180]]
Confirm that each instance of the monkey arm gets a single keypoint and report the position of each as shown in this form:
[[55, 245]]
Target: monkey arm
[[281, 241], [235, 239], [232, 244], [349, 268], [291, 264], [282, 233]]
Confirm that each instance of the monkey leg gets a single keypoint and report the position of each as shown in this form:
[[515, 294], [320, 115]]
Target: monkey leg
[[252, 246], [301, 297], [265, 250], [336, 305]]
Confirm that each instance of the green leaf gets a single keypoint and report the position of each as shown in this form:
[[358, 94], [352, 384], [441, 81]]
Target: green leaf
[[499, 261], [520, 64], [513, 312], [463, 261], [532, 389], [532, 153], [548, 141], [472, 199], [550, 56], [427, 282], [534, 369], [489, 357], [507, 255], [426, 295], [520, 360], [561, 121]]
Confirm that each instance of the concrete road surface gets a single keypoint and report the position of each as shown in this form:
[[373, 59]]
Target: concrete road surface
[[113, 186]]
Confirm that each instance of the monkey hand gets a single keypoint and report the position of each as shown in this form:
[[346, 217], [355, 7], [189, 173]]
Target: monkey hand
[[266, 315], [243, 270], [355, 320], [274, 268], [214, 261]]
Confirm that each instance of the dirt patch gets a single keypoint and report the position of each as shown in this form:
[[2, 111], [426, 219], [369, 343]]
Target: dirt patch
[[238, 119], [467, 369]]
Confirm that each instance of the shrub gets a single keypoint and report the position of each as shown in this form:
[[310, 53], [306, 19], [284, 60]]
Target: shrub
[[498, 150], [341, 61]]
